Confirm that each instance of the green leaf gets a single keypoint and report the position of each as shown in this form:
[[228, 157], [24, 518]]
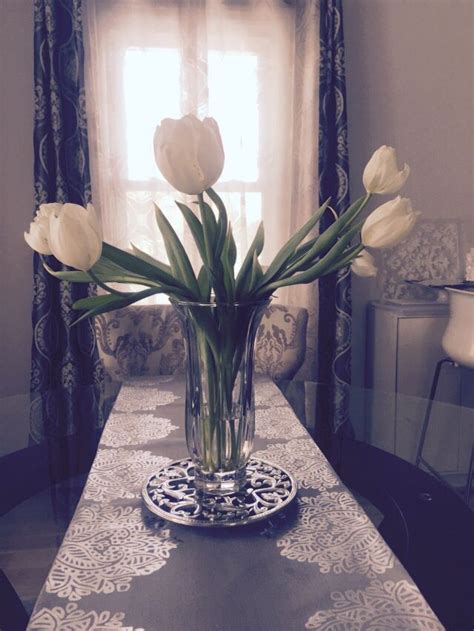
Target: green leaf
[[355, 209], [196, 229], [332, 258], [229, 282], [137, 266], [222, 221], [144, 256], [216, 273], [72, 276], [350, 255], [95, 301], [178, 258], [340, 226], [246, 269], [256, 274], [228, 257], [290, 246], [232, 248], [213, 253], [112, 276], [210, 230], [204, 283], [324, 242], [213, 267], [301, 251], [113, 302]]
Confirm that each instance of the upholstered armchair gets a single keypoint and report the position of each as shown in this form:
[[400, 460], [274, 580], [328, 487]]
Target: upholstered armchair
[[148, 340]]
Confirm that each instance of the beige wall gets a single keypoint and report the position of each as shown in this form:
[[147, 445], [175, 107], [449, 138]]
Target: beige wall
[[16, 192], [410, 84]]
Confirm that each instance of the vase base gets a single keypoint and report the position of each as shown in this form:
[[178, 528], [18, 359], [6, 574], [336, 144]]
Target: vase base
[[171, 494], [223, 483]]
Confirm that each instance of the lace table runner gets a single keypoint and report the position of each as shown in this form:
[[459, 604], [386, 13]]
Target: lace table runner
[[320, 564]]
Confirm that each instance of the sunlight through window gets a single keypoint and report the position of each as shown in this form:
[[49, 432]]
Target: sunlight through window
[[233, 103], [151, 92], [153, 89]]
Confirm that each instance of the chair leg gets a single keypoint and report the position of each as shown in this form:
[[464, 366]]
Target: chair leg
[[426, 420], [470, 476], [13, 616]]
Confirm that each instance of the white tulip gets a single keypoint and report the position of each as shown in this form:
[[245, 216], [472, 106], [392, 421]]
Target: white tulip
[[37, 238], [381, 174], [364, 265], [75, 237], [388, 224], [189, 153], [38, 235]]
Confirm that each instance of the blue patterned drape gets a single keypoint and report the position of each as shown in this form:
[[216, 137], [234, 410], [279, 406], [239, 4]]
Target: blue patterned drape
[[334, 324], [65, 375]]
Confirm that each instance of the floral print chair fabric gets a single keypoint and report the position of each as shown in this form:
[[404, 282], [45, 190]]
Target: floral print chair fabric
[[431, 252], [147, 340]]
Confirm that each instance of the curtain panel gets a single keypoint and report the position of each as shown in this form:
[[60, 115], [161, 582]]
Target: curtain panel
[[66, 371], [334, 323]]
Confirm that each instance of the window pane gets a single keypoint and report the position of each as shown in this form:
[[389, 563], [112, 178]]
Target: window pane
[[233, 103], [151, 93]]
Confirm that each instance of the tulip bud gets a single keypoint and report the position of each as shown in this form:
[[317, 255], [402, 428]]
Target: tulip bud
[[74, 236], [388, 224], [364, 265], [381, 174], [189, 153]]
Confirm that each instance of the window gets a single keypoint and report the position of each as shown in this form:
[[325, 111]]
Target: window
[[150, 61], [232, 81]]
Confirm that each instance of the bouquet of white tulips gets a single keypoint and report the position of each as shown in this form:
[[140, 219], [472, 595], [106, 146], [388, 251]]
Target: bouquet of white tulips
[[190, 155], [220, 308]]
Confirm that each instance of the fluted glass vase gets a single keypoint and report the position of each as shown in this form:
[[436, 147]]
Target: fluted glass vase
[[220, 412]]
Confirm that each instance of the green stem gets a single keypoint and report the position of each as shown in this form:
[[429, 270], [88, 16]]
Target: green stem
[[108, 289]]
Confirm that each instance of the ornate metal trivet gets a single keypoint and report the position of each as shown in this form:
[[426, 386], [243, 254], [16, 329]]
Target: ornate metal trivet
[[170, 493]]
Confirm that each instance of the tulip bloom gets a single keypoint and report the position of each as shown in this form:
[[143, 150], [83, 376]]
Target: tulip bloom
[[388, 224], [364, 265], [38, 235], [75, 236], [381, 174], [189, 153]]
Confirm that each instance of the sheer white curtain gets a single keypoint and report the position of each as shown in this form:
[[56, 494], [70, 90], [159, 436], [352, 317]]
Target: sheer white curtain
[[250, 64]]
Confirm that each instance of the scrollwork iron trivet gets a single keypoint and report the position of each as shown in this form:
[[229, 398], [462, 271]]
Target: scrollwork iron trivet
[[171, 495]]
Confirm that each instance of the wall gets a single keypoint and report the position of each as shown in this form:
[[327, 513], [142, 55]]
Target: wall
[[16, 190], [410, 85]]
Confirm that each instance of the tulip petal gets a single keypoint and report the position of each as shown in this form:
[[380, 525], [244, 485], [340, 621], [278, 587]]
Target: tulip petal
[[388, 224], [381, 174], [73, 240], [210, 152], [93, 220], [37, 240], [396, 182], [364, 265], [46, 210], [189, 153]]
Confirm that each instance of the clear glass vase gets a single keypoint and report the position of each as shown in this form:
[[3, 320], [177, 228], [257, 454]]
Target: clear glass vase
[[220, 411]]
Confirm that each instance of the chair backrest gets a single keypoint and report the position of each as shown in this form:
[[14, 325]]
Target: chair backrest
[[147, 340]]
